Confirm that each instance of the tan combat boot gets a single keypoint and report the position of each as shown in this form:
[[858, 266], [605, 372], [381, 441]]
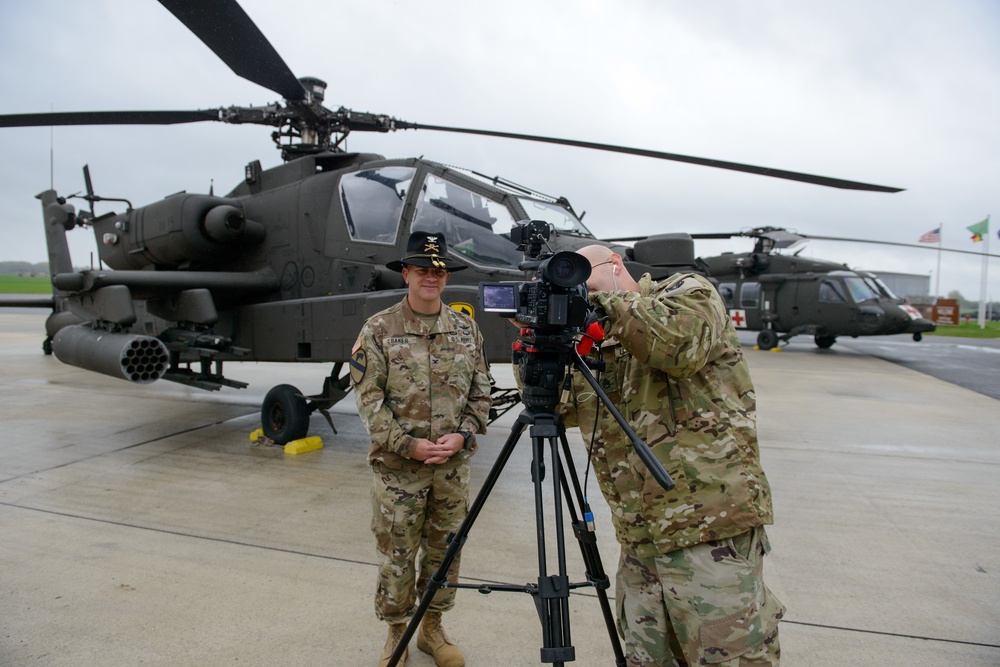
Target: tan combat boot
[[431, 639], [396, 631]]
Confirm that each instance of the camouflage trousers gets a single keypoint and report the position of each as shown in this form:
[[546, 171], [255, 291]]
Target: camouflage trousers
[[412, 516], [704, 605]]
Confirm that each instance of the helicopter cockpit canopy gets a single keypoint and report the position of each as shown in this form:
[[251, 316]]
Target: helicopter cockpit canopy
[[876, 283], [477, 227], [475, 221], [857, 287], [372, 200], [562, 221]]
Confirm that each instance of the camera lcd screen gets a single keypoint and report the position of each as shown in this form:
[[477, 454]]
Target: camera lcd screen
[[498, 298]]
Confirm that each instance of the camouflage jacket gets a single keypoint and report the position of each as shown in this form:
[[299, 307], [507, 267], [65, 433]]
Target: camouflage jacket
[[414, 381], [675, 370]]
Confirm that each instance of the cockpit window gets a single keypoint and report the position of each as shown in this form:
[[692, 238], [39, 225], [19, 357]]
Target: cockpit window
[[831, 291], [728, 291], [750, 295], [859, 289], [474, 226], [373, 200], [560, 219], [880, 287]]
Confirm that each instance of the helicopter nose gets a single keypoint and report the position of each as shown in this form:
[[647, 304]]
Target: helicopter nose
[[920, 325], [916, 322], [911, 321], [871, 317]]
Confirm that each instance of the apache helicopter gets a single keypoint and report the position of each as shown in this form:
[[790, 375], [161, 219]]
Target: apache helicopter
[[289, 264]]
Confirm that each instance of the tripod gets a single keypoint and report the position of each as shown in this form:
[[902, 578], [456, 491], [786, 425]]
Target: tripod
[[551, 592]]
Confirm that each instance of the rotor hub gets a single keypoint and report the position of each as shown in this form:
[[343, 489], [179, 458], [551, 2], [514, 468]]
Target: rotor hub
[[315, 88]]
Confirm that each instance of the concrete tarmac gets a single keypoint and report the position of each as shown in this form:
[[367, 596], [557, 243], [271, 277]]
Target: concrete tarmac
[[141, 526]]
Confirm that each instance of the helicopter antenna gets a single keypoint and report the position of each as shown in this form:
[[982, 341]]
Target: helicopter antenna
[[91, 197], [90, 188], [52, 152]]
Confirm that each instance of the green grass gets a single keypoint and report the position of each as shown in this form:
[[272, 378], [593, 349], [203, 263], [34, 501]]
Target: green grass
[[970, 330], [11, 284]]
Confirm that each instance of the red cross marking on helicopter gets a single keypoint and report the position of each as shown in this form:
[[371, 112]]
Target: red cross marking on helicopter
[[738, 318]]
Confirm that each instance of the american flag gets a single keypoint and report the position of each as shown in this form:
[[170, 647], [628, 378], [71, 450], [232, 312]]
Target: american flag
[[933, 236]]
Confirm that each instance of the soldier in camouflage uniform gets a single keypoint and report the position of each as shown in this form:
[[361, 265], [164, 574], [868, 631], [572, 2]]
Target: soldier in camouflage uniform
[[690, 587], [422, 387]]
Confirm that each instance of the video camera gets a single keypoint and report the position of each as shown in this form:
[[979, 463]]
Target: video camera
[[552, 310], [556, 299]]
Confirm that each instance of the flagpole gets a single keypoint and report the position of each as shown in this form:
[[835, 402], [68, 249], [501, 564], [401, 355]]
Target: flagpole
[[982, 285], [937, 282]]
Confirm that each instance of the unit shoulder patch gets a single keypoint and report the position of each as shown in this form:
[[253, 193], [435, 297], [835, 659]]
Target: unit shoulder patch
[[359, 364], [464, 308]]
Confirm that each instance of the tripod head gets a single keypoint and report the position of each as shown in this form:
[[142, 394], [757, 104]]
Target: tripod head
[[542, 360]]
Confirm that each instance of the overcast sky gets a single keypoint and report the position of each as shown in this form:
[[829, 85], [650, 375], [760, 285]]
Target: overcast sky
[[903, 93]]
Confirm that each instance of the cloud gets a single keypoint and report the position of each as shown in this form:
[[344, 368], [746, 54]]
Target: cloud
[[897, 92]]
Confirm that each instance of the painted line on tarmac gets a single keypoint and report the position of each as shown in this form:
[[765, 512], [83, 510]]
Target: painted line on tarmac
[[902, 635]]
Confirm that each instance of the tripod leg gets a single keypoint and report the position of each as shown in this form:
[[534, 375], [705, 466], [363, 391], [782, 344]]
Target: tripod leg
[[455, 541], [587, 540], [552, 599]]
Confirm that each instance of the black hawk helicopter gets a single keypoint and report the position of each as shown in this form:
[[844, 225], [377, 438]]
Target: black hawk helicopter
[[288, 265], [785, 295], [782, 296]]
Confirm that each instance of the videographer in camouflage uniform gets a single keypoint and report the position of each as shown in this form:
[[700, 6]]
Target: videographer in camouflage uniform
[[422, 387], [689, 587]]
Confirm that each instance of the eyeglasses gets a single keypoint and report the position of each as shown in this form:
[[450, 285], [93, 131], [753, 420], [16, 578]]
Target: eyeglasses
[[594, 266]]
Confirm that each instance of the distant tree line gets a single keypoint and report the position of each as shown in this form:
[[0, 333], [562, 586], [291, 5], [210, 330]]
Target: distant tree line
[[25, 268], [971, 307]]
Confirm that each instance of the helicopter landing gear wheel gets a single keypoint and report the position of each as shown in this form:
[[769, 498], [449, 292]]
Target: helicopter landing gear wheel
[[825, 342], [917, 337], [284, 414], [767, 339]]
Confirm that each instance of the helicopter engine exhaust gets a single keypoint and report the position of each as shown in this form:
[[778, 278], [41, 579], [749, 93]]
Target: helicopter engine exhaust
[[226, 224], [138, 359]]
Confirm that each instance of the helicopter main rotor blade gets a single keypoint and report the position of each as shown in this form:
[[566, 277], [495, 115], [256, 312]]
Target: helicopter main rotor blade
[[717, 235], [775, 234], [696, 236], [706, 162], [902, 245], [226, 29], [107, 118]]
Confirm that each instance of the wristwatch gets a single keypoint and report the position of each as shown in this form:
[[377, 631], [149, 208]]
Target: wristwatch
[[467, 436]]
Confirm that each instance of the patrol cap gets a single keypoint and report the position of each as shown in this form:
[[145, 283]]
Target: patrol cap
[[428, 250]]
